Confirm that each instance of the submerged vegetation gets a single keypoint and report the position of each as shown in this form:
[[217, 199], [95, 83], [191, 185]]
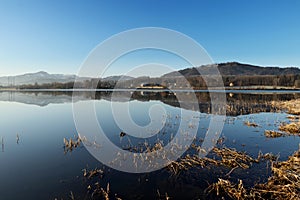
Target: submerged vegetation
[[247, 123], [283, 181], [71, 144], [92, 173], [292, 128], [273, 134], [230, 170], [226, 166], [292, 107], [224, 157], [283, 184]]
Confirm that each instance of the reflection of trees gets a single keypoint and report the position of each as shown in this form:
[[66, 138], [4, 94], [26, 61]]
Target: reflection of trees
[[237, 103]]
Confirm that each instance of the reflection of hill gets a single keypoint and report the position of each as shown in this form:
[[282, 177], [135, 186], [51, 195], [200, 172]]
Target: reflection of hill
[[237, 103], [37, 98]]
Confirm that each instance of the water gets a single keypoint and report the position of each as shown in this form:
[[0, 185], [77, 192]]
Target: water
[[36, 167]]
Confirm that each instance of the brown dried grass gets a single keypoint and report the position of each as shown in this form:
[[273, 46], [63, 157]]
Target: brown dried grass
[[292, 128], [283, 184], [273, 134]]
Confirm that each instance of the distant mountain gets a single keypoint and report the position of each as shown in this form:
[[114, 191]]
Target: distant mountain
[[38, 77], [236, 69], [226, 69], [44, 77], [117, 78]]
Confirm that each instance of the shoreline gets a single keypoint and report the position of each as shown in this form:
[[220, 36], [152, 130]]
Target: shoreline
[[226, 89]]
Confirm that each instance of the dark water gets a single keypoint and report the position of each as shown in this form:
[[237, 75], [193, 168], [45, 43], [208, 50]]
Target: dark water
[[36, 167]]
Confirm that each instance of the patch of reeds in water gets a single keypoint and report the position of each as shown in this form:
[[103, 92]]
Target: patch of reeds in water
[[273, 134], [248, 123], [293, 117], [283, 184], [101, 193], [292, 128], [70, 144], [92, 173], [292, 106], [284, 130], [223, 157]]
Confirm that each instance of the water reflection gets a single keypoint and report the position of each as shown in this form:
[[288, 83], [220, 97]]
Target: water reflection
[[41, 170], [238, 102]]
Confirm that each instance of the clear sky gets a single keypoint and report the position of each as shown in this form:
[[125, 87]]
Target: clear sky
[[57, 35]]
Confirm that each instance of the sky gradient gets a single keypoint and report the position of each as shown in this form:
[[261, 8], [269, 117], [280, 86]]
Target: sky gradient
[[56, 36]]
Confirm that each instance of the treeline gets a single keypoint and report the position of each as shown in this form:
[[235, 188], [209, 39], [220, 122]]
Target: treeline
[[196, 82], [88, 84], [264, 80], [200, 82], [54, 85]]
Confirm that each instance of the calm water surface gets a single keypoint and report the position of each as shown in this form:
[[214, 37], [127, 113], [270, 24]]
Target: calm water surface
[[36, 167]]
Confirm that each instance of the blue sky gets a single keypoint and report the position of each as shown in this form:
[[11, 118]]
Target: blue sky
[[57, 35]]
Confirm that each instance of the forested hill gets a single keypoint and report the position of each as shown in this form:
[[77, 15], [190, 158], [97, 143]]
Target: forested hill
[[237, 69]]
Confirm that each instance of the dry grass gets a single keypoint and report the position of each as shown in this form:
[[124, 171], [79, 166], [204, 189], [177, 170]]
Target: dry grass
[[231, 190], [292, 106], [233, 158], [70, 144], [292, 128], [267, 156], [100, 193], [187, 162], [247, 123], [223, 157], [273, 134], [293, 117], [92, 173], [283, 184]]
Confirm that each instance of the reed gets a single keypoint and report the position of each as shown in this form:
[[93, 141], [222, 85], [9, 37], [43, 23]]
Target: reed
[[283, 184], [222, 157], [273, 134], [292, 128], [92, 173], [248, 123], [71, 144]]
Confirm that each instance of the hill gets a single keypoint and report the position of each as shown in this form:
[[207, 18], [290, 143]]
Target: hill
[[237, 69], [38, 77], [42, 77]]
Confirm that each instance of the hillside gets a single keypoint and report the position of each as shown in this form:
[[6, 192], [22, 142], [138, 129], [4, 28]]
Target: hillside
[[237, 69], [233, 73], [38, 77], [45, 78]]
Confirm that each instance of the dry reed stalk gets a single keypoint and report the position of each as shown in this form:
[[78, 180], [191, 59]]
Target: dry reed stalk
[[92, 173], [70, 144], [292, 128], [247, 123], [226, 157], [283, 184], [273, 134]]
